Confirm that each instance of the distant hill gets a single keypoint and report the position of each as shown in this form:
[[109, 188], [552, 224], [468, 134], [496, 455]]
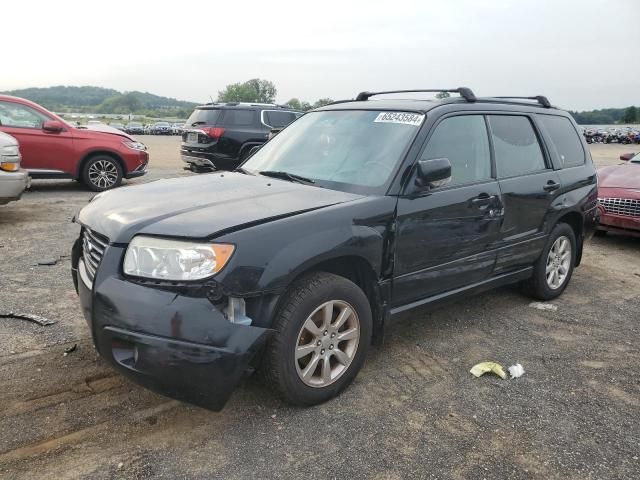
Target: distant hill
[[104, 100], [605, 116]]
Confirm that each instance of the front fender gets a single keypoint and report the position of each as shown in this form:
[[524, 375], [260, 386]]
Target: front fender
[[270, 256]]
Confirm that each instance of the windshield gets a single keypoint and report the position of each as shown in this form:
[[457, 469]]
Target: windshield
[[350, 150]]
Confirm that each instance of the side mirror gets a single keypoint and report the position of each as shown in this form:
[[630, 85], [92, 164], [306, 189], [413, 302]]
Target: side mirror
[[52, 126], [433, 173], [627, 156]]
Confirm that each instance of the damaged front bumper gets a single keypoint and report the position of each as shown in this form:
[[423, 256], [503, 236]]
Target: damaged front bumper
[[180, 346]]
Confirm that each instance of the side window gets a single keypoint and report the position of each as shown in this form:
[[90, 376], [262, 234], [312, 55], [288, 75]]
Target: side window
[[238, 118], [278, 119], [16, 115], [464, 141], [565, 139], [516, 146]]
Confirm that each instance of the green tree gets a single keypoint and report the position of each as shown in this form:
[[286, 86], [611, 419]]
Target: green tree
[[630, 115], [322, 102], [295, 103], [254, 90], [441, 95]]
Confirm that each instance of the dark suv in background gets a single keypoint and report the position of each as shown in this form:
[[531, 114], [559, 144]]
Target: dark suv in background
[[219, 136]]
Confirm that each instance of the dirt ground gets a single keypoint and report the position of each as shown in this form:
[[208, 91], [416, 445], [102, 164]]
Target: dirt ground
[[413, 412]]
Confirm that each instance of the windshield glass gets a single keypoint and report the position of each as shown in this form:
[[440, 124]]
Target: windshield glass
[[203, 116], [350, 150]]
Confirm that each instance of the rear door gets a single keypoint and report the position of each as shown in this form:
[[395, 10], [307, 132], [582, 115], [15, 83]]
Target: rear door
[[529, 187], [43, 152], [446, 236], [242, 130]]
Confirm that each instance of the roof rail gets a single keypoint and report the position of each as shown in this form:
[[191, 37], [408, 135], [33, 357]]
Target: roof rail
[[542, 100], [464, 92]]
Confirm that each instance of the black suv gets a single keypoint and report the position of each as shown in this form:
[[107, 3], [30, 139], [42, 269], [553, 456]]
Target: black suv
[[219, 136], [354, 213]]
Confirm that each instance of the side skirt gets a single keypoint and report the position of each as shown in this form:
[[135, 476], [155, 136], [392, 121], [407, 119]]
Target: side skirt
[[472, 289]]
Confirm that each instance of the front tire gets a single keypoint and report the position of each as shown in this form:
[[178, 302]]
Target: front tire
[[102, 173], [552, 272], [323, 334]]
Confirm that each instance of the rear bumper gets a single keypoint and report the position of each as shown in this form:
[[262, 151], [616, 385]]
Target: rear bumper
[[12, 184], [179, 346], [208, 160]]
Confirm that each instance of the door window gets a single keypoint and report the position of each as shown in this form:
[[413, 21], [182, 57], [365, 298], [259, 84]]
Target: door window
[[17, 115], [464, 141], [516, 146], [238, 117], [565, 139]]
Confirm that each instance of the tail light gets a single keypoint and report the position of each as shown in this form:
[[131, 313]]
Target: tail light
[[214, 132]]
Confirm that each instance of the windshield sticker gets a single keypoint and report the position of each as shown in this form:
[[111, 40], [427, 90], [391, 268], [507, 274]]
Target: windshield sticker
[[414, 119]]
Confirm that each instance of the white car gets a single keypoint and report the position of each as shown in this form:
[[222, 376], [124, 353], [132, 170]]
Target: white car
[[13, 180]]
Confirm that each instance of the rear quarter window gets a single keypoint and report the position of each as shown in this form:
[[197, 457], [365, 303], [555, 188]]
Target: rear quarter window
[[565, 140], [278, 119]]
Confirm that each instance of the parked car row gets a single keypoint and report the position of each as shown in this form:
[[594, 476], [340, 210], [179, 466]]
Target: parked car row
[[624, 135]]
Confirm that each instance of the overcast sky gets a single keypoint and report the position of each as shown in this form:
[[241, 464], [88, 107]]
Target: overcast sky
[[582, 54]]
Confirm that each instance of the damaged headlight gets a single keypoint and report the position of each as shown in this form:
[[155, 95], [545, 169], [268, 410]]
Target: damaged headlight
[[162, 259]]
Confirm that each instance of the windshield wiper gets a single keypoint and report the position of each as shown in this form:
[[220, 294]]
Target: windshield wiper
[[292, 177], [198, 123]]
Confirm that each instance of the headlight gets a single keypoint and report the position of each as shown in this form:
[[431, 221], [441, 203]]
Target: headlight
[[162, 259], [10, 158], [10, 151], [135, 145]]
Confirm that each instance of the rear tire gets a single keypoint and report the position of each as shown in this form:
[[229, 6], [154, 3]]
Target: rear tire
[[101, 173], [552, 272], [313, 356]]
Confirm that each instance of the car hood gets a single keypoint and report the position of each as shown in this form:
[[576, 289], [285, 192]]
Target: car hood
[[620, 176], [94, 130], [202, 206]]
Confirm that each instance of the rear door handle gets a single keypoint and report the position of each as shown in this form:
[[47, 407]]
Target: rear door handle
[[482, 201], [551, 186]]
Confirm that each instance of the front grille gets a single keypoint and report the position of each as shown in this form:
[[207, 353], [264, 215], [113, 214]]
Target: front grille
[[621, 206], [93, 245]]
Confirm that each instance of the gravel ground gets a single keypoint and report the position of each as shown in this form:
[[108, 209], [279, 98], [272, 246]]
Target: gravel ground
[[413, 412]]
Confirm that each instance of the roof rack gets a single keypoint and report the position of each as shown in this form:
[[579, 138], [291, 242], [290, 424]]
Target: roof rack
[[464, 92], [542, 100]]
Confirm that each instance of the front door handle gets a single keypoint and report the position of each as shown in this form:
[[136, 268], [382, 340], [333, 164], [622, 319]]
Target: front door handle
[[551, 186], [482, 201]]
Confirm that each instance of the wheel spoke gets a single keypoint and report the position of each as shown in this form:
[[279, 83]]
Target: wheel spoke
[[310, 369], [326, 370], [311, 327], [327, 315], [304, 350], [549, 268], [342, 357], [343, 317], [347, 334]]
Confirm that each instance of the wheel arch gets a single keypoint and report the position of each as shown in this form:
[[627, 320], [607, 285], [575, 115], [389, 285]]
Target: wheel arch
[[88, 156], [576, 221]]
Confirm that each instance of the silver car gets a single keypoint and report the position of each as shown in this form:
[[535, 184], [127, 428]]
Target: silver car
[[13, 180]]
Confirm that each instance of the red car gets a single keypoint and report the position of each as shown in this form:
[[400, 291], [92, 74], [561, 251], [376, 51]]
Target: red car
[[52, 148], [619, 196]]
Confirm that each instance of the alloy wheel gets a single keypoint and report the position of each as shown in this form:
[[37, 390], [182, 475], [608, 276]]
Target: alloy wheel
[[327, 343], [558, 262], [103, 174]]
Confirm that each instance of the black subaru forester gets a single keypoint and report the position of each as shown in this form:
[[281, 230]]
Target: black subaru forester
[[357, 211]]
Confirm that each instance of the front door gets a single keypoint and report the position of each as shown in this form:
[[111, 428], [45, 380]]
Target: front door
[[446, 236], [41, 151]]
